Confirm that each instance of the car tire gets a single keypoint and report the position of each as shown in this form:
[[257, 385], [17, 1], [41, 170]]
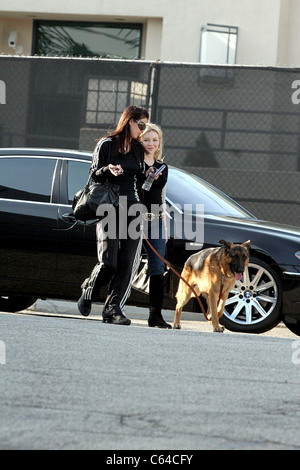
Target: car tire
[[254, 305], [14, 303], [293, 327]]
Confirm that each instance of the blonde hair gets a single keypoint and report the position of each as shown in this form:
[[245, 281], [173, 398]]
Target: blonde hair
[[150, 126]]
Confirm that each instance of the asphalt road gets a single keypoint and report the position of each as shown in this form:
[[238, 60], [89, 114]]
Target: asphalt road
[[74, 383]]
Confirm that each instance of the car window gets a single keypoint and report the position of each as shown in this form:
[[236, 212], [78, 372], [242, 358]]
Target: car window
[[78, 173], [26, 179], [184, 188]]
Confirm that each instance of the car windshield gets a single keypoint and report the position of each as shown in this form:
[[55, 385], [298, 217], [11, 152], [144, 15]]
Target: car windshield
[[185, 188]]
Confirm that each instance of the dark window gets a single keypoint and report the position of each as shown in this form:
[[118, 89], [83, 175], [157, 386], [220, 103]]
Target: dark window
[[106, 40], [78, 173], [26, 179]]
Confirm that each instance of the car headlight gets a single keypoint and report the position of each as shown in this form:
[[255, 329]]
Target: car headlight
[[297, 255]]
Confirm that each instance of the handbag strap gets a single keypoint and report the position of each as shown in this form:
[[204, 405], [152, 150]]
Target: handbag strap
[[88, 183]]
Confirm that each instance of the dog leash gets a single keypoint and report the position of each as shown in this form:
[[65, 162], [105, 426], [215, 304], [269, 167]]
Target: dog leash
[[178, 275]]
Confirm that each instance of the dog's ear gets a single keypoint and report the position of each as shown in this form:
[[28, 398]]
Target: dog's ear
[[247, 245], [227, 245]]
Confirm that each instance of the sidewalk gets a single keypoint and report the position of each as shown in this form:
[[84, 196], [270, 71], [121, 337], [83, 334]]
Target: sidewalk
[[61, 307], [189, 321]]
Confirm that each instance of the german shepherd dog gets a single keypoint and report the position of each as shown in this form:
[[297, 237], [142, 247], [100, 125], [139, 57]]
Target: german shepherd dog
[[207, 271]]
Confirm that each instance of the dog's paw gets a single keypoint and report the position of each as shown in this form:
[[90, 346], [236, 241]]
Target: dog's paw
[[176, 326], [219, 329]]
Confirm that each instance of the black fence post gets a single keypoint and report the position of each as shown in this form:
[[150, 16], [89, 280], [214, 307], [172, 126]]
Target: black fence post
[[155, 71]]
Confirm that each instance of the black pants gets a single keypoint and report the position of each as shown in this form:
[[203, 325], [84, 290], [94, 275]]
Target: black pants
[[118, 258]]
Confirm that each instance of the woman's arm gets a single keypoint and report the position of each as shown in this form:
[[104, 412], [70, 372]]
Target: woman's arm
[[100, 160]]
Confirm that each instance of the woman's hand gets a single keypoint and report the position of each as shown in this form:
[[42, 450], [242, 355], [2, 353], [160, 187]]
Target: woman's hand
[[151, 171], [116, 170]]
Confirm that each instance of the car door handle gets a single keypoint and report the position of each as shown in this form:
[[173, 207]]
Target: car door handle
[[68, 217]]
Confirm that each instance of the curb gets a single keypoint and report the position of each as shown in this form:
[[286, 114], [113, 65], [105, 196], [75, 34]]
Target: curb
[[138, 313]]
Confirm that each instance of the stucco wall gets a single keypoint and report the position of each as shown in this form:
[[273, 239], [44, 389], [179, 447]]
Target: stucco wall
[[268, 30]]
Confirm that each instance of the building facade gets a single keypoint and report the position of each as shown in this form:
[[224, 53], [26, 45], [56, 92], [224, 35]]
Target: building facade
[[246, 32]]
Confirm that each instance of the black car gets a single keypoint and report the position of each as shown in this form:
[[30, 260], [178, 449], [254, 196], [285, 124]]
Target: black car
[[39, 258]]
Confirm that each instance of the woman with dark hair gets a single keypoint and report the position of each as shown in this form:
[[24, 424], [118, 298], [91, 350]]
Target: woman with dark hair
[[118, 159]]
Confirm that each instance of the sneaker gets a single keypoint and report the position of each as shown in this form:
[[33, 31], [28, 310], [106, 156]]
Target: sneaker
[[84, 306], [115, 318]]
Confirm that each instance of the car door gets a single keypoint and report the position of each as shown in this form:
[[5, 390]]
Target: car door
[[77, 252], [28, 223]]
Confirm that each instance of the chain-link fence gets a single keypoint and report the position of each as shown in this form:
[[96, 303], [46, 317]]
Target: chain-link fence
[[236, 127], [67, 103]]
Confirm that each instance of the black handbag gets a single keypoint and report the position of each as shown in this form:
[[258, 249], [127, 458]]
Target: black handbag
[[87, 200]]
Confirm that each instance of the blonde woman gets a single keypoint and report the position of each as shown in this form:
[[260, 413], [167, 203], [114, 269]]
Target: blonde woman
[[154, 200]]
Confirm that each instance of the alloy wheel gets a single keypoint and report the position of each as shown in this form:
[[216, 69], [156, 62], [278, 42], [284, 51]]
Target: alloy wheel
[[253, 299]]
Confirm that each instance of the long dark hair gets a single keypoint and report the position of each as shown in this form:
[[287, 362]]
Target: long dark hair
[[121, 134]]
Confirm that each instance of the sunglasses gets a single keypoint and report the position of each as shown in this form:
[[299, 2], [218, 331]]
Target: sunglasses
[[141, 124]]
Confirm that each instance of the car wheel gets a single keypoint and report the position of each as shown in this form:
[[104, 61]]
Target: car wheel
[[254, 305], [293, 327], [14, 303]]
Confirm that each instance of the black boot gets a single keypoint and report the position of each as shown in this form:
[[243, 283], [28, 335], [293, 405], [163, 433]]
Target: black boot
[[156, 297], [156, 318]]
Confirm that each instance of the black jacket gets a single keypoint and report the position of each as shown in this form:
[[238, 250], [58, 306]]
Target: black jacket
[[132, 163]]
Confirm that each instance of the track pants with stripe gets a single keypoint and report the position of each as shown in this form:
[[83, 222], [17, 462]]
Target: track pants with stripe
[[118, 259]]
